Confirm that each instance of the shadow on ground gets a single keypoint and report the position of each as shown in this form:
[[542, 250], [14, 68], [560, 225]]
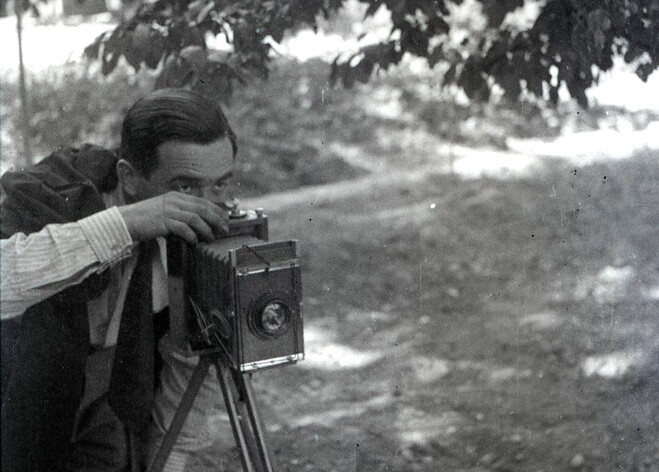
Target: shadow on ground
[[479, 325]]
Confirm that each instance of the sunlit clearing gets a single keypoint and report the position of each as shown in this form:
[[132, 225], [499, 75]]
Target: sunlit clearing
[[501, 374], [651, 293], [417, 426], [337, 356], [589, 146], [611, 365], [484, 163], [428, 370], [321, 353], [613, 284], [544, 320], [330, 417]]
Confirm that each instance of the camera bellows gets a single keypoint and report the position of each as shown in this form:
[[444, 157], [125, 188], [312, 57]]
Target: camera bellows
[[239, 296]]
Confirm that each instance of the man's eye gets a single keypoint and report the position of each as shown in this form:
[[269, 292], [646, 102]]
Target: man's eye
[[184, 188], [219, 186]]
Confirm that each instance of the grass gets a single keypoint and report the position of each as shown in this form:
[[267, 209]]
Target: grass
[[480, 314], [477, 313]]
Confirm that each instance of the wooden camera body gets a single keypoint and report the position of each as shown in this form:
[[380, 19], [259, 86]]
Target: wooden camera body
[[239, 295]]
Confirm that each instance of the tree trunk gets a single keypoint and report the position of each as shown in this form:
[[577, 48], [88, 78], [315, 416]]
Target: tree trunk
[[25, 119]]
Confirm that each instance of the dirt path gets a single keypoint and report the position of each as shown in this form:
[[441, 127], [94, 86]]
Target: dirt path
[[524, 159], [472, 324]]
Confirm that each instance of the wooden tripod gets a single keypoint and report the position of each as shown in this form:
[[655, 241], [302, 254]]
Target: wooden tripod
[[241, 406]]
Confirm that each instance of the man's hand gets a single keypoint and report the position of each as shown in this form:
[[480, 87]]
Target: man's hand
[[186, 216]]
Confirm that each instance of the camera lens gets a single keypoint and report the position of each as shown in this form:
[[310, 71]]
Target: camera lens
[[273, 319]]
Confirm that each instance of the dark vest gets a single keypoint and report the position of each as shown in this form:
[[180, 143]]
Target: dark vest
[[45, 350]]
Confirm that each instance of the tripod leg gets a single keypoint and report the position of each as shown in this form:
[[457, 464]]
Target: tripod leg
[[250, 453], [244, 382], [231, 402], [189, 396]]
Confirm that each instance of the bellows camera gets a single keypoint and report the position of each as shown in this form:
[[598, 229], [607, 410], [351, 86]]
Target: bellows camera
[[239, 295]]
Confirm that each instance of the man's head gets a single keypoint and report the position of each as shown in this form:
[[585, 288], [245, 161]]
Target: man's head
[[175, 139]]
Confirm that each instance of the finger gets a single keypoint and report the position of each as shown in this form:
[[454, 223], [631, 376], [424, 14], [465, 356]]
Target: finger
[[216, 217], [182, 230], [211, 213], [196, 222]]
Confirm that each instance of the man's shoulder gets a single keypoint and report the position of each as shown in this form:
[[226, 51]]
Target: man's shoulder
[[69, 165], [65, 186]]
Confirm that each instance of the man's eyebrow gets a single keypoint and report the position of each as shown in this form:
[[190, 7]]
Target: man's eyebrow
[[195, 179], [186, 178]]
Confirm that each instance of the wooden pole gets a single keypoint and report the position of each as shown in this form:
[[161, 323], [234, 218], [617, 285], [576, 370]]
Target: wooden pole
[[25, 120]]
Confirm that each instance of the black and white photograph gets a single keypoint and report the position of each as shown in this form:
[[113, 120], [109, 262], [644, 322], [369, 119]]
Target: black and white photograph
[[329, 235]]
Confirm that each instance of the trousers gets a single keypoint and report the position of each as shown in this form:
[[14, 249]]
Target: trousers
[[99, 442]]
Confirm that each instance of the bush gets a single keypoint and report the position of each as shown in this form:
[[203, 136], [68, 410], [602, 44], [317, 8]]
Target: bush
[[293, 129], [281, 131], [69, 105]]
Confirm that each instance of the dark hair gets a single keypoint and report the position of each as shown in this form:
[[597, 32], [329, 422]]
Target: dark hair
[[170, 115]]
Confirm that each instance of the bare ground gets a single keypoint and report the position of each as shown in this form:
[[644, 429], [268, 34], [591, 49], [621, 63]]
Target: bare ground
[[471, 325]]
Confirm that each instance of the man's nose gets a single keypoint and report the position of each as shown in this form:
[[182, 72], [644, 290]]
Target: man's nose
[[224, 198]]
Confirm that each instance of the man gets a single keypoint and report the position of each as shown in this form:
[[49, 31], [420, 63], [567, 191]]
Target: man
[[82, 277]]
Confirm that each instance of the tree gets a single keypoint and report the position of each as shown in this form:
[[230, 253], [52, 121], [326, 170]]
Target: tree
[[20, 7], [570, 42]]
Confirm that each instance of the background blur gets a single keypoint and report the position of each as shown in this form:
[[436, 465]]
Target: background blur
[[481, 280]]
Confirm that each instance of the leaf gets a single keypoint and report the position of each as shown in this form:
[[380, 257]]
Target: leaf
[[92, 50], [435, 56], [176, 73], [363, 70], [201, 16], [441, 7], [553, 95], [35, 10], [510, 84], [192, 36], [112, 51], [496, 10], [348, 77], [534, 85], [154, 49], [633, 53], [570, 34], [644, 70], [335, 72], [109, 62], [216, 81], [373, 7], [472, 82], [437, 25], [133, 53], [415, 41], [449, 75], [577, 89], [195, 55]]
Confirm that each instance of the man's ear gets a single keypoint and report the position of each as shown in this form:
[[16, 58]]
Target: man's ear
[[130, 180]]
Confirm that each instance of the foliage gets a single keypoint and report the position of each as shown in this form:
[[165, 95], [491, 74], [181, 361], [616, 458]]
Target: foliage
[[568, 43], [293, 129], [70, 106], [568, 40]]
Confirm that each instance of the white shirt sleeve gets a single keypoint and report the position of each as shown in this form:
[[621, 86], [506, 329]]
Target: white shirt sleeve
[[36, 266]]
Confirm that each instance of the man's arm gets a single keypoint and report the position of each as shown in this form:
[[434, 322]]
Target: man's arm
[[59, 256], [34, 267]]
